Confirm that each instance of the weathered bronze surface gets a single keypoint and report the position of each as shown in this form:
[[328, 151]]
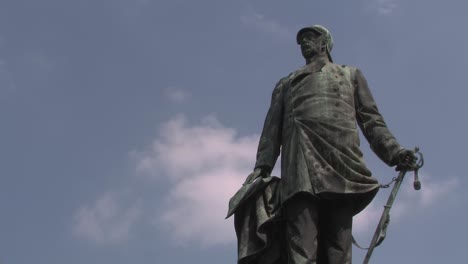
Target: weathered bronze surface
[[312, 121]]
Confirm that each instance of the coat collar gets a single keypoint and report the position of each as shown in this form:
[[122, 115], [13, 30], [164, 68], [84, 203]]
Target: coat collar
[[317, 64], [314, 66]]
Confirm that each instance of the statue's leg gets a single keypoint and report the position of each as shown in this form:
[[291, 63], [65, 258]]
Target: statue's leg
[[301, 215], [335, 241]]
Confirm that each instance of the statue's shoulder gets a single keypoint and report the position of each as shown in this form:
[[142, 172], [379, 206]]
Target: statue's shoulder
[[344, 66], [347, 68], [283, 81], [279, 87], [286, 79]]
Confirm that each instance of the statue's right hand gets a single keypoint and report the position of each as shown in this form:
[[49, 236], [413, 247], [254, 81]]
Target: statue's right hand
[[258, 172], [252, 176]]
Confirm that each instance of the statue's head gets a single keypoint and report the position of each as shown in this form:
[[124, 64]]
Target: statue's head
[[314, 40]]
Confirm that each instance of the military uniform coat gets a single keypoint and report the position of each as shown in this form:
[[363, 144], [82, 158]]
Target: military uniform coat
[[312, 122]]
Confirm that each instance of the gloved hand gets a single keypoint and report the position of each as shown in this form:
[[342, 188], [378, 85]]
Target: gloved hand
[[262, 171], [406, 160]]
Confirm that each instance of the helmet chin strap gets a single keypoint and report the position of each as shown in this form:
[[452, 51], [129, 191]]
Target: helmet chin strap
[[323, 44]]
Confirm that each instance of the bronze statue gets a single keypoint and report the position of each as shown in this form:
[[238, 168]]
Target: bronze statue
[[306, 217]]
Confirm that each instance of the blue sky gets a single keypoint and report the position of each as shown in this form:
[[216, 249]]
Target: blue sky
[[126, 125]]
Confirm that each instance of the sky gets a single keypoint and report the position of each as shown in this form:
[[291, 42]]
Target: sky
[[126, 125]]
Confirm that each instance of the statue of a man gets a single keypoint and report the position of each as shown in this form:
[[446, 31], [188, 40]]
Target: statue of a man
[[312, 121]]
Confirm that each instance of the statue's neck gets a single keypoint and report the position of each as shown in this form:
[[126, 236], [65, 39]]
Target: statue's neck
[[319, 57]]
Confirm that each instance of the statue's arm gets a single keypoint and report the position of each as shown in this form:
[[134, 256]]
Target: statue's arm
[[270, 140], [372, 124]]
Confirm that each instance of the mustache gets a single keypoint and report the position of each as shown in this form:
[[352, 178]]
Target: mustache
[[309, 47], [312, 43]]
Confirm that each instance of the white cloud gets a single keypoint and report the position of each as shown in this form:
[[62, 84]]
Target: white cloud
[[197, 206], [407, 201], [184, 151], [206, 164], [260, 22], [431, 192], [109, 221], [367, 219], [383, 7], [177, 95]]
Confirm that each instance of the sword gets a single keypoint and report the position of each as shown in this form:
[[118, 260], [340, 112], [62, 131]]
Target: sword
[[381, 229]]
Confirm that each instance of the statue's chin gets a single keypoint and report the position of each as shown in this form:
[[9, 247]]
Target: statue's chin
[[307, 54]]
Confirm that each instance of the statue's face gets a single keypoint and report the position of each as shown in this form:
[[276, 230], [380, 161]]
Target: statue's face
[[311, 44]]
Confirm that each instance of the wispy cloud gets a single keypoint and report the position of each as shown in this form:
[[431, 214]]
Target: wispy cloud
[[176, 95], [407, 201], [258, 21], [206, 164], [383, 7], [432, 192], [108, 221]]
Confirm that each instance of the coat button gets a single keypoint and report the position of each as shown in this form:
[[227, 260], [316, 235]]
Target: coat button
[[337, 104], [328, 169], [341, 83], [335, 115], [317, 166]]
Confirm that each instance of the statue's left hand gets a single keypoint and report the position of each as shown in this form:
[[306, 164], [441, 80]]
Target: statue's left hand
[[406, 160]]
